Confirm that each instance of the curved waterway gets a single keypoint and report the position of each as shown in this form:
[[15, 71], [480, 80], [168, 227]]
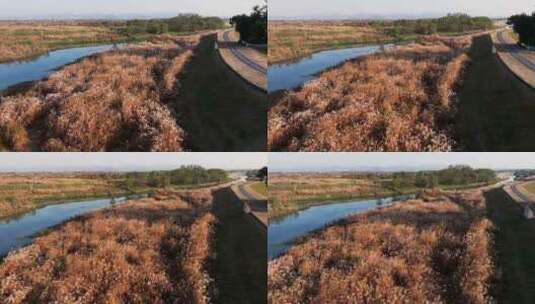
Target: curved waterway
[[284, 232], [13, 73], [286, 76], [19, 231]]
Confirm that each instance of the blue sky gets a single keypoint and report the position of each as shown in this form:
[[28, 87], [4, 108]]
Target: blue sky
[[345, 8], [54, 162], [25, 8], [396, 161]]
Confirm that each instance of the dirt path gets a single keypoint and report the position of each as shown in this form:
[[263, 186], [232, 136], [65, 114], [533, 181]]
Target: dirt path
[[221, 112], [515, 237], [496, 109], [241, 248]]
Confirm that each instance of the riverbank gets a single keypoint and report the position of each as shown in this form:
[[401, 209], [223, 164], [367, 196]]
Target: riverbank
[[428, 244], [147, 250]]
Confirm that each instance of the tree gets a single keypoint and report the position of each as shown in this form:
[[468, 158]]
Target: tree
[[253, 27], [524, 26]]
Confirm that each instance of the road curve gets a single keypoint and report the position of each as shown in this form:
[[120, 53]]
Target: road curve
[[238, 54], [514, 51]]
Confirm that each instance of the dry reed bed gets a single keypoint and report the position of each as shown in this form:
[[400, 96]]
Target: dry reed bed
[[400, 100], [154, 250], [111, 101], [435, 249]]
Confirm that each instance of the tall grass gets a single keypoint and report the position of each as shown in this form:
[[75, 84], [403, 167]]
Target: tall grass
[[401, 100], [112, 101], [154, 250], [435, 249]]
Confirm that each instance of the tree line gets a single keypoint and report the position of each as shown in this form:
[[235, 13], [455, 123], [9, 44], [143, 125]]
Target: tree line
[[185, 175], [524, 26], [252, 27], [452, 176], [452, 23], [181, 23]]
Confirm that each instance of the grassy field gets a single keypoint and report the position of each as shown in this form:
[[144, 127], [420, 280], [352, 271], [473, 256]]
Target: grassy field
[[400, 100], [21, 193], [154, 250], [515, 252], [260, 187], [217, 108], [114, 101], [288, 40], [530, 187], [434, 249], [496, 109], [22, 40]]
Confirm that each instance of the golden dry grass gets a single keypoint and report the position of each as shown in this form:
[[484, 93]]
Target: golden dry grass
[[154, 250], [20, 40], [401, 100], [112, 101], [436, 249], [288, 40]]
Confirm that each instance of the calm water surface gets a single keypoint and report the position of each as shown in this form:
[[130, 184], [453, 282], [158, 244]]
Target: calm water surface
[[282, 233], [18, 231], [40, 67], [291, 75]]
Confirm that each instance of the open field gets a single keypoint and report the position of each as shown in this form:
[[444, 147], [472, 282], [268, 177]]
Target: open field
[[295, 39], [155, 250], [118, 100], [484, 121], [260, 188], [25, 39], [292, 192], [408, 105], [530, 187], [436, 248], [20, 193]]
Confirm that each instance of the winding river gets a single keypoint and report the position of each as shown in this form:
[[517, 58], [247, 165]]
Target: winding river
[[13, 73], [20, 230], [286, 76], [284, 232]]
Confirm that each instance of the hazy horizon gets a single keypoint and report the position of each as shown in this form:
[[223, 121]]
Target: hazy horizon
[[384, 162], [389, 9], [123, 162], [43, 9]]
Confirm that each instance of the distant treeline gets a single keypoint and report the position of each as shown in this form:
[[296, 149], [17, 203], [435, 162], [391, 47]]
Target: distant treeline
[[186, 175], [452, 23], [452, 176], [253, 27], [524, 26], [181, 23]]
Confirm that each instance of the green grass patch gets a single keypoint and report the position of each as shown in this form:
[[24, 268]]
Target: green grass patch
[[260, 188]]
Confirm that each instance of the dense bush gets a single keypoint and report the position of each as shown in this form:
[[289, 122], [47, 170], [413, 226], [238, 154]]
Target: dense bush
[[186, 175], [253, 27], [524, 26]]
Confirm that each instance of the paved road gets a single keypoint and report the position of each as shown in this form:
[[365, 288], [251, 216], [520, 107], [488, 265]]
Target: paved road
[[242, 57], [520, 194], [517, 52], [255, 204]]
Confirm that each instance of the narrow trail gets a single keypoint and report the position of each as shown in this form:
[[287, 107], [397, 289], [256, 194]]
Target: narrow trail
[[221, 112], [241, 253], [515, 252]]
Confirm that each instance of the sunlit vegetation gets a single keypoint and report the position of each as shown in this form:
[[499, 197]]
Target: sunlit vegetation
[[433, 249], [118, 100], [524, 27], [154, 250], [408, 105], [293, 39], [260, 188], [291, 192], [21, 193]]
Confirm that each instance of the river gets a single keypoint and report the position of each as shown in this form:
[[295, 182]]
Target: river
[[19, 230], [284, 232], [40, 67], [286, 76]]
